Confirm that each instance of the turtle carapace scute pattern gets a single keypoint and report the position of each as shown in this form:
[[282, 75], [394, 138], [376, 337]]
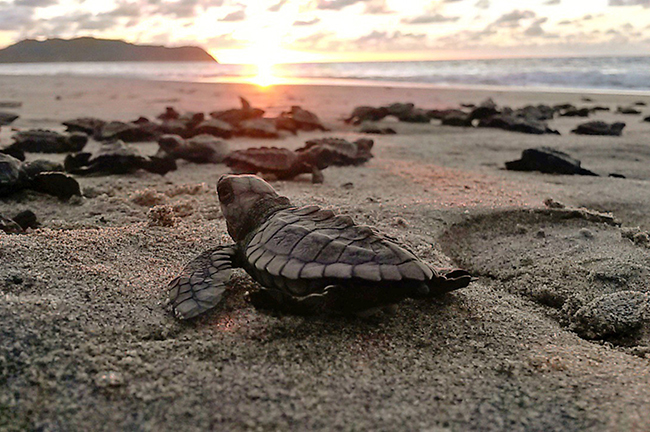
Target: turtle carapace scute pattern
[[307, 260]]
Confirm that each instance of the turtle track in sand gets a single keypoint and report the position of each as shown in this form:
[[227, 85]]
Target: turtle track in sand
[[580, 266]]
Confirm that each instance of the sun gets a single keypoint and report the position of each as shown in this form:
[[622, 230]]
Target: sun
[[264, 77], [263, 55]]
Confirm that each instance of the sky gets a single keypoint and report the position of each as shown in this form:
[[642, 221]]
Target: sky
[[281, 31]]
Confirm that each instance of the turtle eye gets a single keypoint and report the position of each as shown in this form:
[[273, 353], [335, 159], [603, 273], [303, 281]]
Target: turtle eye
[[226, 194]]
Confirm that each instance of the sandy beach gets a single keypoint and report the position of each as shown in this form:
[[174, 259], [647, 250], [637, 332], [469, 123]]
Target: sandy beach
[[88, 342]]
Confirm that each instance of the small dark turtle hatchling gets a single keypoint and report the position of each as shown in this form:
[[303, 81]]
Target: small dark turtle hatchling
[[341, 152], [549, 161], [307, 260], [304, 120], [199, 149], [599, 128], [39, 175], [46, 141], [281, 162], [115, 157]]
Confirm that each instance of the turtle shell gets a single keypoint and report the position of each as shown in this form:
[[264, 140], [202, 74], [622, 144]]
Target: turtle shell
[[11, 175], [306, 120], [339, 146], [87, 125], [46, 141], [339, 151], [301, 251], [263, 159]]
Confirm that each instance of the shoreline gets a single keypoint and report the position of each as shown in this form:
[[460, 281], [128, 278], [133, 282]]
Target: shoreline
[[48, 100], [354, 82]]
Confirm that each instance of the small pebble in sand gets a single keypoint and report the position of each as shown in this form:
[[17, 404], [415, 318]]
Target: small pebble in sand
[[551, 203], [520, 229], [148, 197], [161, 215], [400, 222], [540, 233], [584, 232], [184, 208], [638, 237], [348, 185], [526, 261], [14, 278], [106, 379], [187, 189]]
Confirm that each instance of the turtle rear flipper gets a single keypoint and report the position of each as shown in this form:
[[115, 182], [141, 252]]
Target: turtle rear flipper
[[448, 280], [202, 283], [442, 282]]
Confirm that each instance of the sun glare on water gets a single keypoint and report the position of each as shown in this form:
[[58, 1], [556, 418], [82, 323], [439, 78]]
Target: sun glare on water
[[264, 77]]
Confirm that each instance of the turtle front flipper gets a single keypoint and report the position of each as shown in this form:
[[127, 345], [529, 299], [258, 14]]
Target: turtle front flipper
[[202, 283], [316, 175]]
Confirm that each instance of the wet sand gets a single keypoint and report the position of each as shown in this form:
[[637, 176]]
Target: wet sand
[[88, 343]]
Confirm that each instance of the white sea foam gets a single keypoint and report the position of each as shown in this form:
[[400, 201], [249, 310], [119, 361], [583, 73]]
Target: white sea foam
[[595, 73]]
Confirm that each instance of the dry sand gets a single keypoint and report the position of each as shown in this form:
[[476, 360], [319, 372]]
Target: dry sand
[[88, 343]]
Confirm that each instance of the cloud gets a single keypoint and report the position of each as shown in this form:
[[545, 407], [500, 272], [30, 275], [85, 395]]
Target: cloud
[[482, 4], [377, 7], [429, 19], [125, 9], [236, 16], [320, 41], [335, 4], [536, 30], [644, 3], [375, 40], [512, 19], [35, 3], [181, 9], [276, 7], [12, 18], [385, 40], [225, 41], [310, 22]]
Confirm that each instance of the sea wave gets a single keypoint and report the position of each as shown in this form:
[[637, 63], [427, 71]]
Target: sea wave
[[602, 73]]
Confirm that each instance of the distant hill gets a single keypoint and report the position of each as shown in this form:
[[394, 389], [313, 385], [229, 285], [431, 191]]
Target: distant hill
[[88, 49]]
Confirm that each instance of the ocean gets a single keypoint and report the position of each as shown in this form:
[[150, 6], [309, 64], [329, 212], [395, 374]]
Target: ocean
[[609, 74]]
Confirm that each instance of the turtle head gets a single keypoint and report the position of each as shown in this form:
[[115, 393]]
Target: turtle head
[[246, 201]]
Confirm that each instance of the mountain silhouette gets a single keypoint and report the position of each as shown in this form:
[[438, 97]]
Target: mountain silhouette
[[88, 49]]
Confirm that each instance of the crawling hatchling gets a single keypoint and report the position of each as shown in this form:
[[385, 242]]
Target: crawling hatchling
[[306, 259]]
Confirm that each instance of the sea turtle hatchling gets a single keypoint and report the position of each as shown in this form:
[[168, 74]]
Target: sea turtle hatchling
[[306, 259]]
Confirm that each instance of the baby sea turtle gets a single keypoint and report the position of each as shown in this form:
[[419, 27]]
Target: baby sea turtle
[[549, 161], [199, 149], [47, 141], [88, 125], [281, 162], [343, 152], [307, 260], [39, 175], [305, 120], [115, 157], [7, 118], [599, 128], [235, 116]]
